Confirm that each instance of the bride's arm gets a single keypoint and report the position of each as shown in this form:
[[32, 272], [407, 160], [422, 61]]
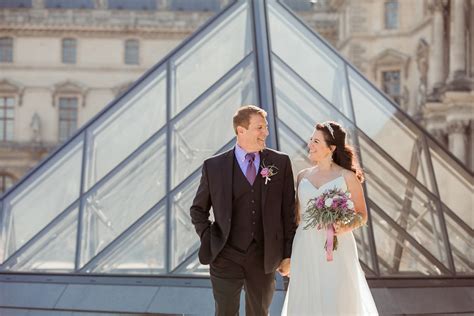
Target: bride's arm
[[297, 201], [357, 196]]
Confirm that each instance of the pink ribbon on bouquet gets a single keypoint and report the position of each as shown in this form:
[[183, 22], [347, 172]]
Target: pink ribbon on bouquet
[[329, 242]]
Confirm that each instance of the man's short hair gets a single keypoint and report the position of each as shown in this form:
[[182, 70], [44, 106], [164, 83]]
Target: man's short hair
[[243, 114]]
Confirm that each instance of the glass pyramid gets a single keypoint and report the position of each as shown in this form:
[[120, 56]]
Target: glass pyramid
[[115, 198]]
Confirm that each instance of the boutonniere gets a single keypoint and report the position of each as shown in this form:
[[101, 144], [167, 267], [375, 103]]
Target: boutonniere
[[268, 172]]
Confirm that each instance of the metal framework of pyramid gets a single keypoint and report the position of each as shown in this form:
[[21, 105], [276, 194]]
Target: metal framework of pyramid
[[114, 199]]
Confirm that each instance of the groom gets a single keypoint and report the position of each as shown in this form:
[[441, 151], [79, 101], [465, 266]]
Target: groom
[[251, 191]]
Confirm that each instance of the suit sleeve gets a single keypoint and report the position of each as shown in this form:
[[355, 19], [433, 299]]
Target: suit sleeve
[[199, 210], [288, 209]]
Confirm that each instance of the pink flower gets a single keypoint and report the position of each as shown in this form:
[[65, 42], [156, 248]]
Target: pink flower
[[268, 171], [320, 203]]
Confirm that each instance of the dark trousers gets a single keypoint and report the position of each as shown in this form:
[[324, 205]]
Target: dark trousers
[[234, 269]]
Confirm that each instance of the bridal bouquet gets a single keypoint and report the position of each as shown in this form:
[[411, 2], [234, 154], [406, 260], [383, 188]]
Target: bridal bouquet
[[331, 207]]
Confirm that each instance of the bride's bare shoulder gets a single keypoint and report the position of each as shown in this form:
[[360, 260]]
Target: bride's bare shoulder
[[302, 173]]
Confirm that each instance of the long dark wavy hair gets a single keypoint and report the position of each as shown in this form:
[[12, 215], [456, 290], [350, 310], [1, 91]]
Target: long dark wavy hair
[[344, 155]]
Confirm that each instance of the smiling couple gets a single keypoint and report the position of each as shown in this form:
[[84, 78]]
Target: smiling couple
[[255, 231]]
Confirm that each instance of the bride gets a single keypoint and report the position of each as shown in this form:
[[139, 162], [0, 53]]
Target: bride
[[319, 287]]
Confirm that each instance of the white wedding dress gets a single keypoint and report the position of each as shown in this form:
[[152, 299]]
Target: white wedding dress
[[319, 287]]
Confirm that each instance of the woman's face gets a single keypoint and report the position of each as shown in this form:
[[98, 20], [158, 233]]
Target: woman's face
[[318, 149]]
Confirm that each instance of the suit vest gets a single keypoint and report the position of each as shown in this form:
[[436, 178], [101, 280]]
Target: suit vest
[[247, 224]]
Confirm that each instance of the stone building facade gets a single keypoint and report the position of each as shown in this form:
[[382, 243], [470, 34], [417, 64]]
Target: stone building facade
[[62, 61], [420, 53]]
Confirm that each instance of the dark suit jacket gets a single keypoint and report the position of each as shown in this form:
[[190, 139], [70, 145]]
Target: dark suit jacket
[[278, 207]]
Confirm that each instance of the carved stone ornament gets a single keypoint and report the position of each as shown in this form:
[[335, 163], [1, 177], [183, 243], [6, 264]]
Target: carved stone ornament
[[390, 58], [69, 88], [458, 127], [437, 5], [13, 88]]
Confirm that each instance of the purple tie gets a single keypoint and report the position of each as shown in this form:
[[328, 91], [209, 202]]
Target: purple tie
[[251, 172]]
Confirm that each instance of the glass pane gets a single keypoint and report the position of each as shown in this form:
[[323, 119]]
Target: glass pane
[[3, 232], [211, 119], [10, 101], [69, 52], [142, 252], [209, 56], [298, 105], [423, 172], [320, 67], [53, 252], [300, 5], [410, 262], [15, 4], [48, 192], [193, 266], [124, 197], [462, 243], [404, 202], [454, 185], [132, 5], [184, 240], [9, 131], [68, 4], [126, 126], [132, 51], [201, 5], [295, 147], [10, 113], [384, 125], [362, 237]]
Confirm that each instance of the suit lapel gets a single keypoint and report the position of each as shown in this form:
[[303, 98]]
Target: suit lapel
[[227, 170], [263, 159]]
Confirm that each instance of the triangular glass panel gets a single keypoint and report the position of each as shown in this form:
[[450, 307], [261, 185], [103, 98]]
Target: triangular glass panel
[[321, 68], [408, 262], [118, 201], [123, 128], [461, 238], [455, 185], [54, 251], [142, 251], [211, 115], [298, 104], [192, 266], [211, 55], [39, 199], [408, 204], [380, 121], [184, 240], [292, 144], [364, 249]]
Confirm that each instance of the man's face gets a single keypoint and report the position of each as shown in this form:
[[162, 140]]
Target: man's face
[[253, 138]]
